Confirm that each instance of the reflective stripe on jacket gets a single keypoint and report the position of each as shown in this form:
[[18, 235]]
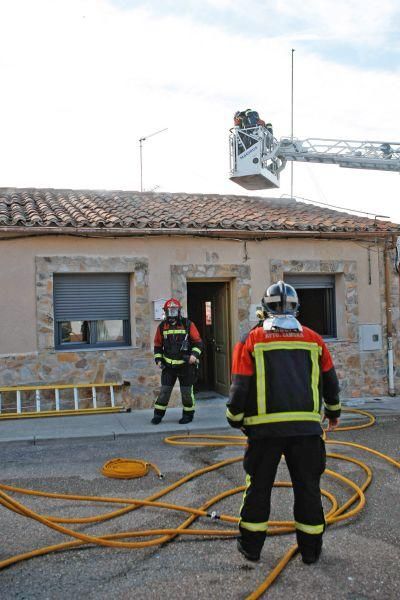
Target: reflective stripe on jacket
[[168, 342], [278, 382]]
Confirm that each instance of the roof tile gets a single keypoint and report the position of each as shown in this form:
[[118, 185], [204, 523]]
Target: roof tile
[[36, 208]]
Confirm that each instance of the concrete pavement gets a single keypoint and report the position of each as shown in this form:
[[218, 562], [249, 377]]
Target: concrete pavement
[[360, 558], [359, 561], [210, 414]]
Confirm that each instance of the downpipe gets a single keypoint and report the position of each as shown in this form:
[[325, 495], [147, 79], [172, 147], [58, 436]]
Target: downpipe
[[389, 322], [390, 367]]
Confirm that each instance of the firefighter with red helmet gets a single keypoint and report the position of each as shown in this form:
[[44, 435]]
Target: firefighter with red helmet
[[282, 374], [177, 348]]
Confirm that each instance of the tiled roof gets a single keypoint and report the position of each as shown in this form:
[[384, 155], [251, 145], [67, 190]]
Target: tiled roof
[[88, 209]]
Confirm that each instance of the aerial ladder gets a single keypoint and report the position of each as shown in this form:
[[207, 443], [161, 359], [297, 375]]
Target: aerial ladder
[[257, 157]]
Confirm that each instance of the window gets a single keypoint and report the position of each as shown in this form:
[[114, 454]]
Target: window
[[91, 310], [317, 301]]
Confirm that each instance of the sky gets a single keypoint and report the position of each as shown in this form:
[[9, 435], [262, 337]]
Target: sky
[[83, 80]]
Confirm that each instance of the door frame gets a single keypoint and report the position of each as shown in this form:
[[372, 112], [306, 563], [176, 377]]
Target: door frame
[[229, 295], [239, 276]]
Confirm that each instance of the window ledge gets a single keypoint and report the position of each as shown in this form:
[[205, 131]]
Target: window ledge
[[341, 340], [99, 349]]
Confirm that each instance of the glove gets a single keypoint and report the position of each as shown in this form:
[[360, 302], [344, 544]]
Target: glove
[[332, 423], [159, 363]]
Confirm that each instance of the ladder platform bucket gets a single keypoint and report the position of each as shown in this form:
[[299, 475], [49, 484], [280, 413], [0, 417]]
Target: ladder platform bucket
[[253, 161], [263, 180]]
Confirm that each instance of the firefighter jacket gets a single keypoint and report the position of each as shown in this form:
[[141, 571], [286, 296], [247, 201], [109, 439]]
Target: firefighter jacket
[[279, 379], [173, 344]]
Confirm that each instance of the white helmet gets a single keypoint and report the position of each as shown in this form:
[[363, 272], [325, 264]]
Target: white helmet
[[280, 299]]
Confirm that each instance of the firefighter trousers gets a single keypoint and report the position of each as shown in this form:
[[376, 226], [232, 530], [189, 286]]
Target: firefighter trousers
[[187, 376], [305, 458]]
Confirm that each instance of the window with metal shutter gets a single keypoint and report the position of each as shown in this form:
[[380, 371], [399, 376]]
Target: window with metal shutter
[[316, 294], [92, 300], [322, 280]]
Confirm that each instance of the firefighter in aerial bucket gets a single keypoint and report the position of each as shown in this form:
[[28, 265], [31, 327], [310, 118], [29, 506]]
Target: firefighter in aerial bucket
[[177, 348], [282, 374], [249, 119]]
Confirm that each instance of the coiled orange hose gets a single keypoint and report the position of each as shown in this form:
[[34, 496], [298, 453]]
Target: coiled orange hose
[[127, 468]]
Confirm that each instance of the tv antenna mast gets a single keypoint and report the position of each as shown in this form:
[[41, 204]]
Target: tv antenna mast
[[141, 140]]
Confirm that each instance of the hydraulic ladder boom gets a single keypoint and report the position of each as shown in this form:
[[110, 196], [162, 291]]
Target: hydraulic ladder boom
[[381, 156], [257, 158]]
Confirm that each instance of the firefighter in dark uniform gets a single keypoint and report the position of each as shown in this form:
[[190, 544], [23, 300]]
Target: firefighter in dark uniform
[[248, 119], [281, 372], [177, 348]]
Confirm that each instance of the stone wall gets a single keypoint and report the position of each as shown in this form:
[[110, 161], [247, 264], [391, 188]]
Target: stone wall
[[361, 373], [395, 305], [134, 364], [46, 366]]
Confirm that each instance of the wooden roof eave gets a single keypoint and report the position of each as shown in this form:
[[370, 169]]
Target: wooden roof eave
[[14, 232]]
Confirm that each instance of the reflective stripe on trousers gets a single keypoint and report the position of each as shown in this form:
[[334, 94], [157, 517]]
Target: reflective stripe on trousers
[[305, 458], [186, 376]]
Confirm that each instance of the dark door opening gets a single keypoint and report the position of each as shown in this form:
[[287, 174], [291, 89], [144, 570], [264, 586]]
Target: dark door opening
[[208, 308]]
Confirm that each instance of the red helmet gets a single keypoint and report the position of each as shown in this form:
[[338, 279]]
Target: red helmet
[[172, 309]]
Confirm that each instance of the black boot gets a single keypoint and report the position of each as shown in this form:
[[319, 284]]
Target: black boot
[[310, 547], [156, 420], [186, 418], [249, 554], [310, 557]]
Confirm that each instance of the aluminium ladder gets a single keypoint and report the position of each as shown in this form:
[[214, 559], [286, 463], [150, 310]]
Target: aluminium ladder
[[13, 397]]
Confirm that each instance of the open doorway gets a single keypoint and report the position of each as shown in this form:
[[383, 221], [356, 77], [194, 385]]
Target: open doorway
[[208, 307]]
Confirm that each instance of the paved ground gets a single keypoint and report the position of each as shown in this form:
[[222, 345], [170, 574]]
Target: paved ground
[[210, 415], [360, 558]]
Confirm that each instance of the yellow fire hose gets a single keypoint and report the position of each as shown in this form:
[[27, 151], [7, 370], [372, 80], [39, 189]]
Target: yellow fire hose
[[129, 468]]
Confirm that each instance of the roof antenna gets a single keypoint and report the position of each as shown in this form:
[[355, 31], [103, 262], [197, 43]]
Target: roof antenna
[[141, 140], [291, 133]]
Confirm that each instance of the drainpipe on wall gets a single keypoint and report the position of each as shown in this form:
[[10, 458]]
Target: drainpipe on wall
[[389, 320]]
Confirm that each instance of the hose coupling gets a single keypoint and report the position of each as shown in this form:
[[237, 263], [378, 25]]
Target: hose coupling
[[213, 515]]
